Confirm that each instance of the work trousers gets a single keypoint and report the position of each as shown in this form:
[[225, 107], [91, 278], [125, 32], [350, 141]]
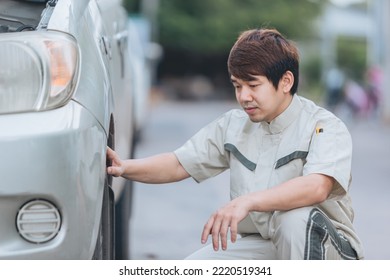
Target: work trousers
[[302, 233]]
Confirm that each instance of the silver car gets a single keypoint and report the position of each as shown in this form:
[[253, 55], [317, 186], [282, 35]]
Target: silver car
[[65, 95]]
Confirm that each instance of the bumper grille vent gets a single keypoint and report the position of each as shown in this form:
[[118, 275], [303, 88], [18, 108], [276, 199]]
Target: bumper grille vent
[[38, 221]]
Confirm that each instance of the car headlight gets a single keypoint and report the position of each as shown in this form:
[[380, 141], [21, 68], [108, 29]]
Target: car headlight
[[38, 70]]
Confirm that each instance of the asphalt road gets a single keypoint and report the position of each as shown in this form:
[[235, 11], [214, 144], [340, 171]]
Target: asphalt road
[[168, 219]]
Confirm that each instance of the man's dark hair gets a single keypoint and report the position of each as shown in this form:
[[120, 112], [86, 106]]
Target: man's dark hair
[[264, 52]]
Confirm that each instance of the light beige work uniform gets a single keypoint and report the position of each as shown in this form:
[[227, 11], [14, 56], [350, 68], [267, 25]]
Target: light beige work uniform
[[304, 139]]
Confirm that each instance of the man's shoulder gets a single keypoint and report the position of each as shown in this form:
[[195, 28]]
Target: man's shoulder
[[320, 115], [314, 110]]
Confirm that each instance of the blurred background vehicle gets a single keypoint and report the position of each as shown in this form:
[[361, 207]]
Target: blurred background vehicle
[[67, 91], [144, 56]]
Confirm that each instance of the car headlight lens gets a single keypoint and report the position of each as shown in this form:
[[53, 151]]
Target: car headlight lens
[[38, 70]]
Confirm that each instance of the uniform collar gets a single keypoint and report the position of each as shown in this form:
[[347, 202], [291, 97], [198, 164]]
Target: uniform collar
[[282, 121]]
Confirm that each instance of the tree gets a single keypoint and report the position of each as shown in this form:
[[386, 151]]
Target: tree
[[211, 26], [197, 35]]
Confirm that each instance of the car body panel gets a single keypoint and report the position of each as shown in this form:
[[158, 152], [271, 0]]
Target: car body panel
[[60, 154], [61, 143]]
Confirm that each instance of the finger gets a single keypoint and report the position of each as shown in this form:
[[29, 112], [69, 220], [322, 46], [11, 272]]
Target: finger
[[233, 231], [223, 233], [111, 171], [110, 154], [215, 232], [207, 230]]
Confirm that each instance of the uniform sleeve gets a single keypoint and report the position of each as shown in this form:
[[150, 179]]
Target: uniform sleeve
[[203, 156], [330, 153]]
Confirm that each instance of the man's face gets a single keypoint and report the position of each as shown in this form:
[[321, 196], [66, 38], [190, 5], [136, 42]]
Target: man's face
[[259, 98]]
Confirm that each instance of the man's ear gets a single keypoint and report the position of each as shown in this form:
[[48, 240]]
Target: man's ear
[[287, 81]]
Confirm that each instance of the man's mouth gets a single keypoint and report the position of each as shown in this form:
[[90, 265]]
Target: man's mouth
[[250, 109]]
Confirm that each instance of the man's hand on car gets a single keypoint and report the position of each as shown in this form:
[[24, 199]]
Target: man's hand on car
[[116, 169]]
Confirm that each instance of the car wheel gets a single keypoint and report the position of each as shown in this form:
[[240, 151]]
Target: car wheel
[[104, 249], [122, 223]]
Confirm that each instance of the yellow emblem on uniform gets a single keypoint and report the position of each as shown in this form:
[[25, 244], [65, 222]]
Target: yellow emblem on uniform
[[319, 130]]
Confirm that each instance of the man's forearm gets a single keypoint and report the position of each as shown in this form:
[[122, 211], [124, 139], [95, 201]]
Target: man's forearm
[[158, 169], [298, 192]]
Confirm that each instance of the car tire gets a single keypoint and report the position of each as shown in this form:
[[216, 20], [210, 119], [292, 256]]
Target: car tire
[[105, 249], [122, 223]]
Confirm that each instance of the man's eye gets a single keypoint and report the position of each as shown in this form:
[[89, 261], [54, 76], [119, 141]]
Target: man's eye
[[253, 86]]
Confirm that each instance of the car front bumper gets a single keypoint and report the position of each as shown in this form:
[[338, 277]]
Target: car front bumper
[[57, 156]]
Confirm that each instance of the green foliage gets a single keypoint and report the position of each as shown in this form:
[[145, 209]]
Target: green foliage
[[212, 26], [351, 56], [132, 6], [197, 35], [310, 78]]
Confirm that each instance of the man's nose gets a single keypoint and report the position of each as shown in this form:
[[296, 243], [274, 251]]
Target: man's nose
[[245, 94]]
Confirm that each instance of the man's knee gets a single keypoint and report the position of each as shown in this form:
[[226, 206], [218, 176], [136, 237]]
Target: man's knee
[[290, 223], [288, 230], [323, 241]]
